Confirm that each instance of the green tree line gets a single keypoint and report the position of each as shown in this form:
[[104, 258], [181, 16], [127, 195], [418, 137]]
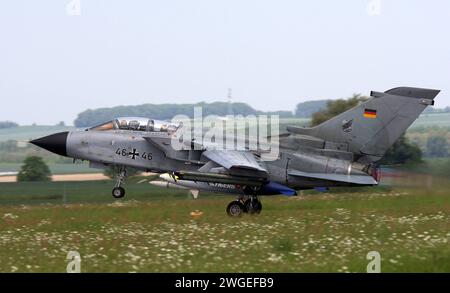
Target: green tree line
[[8, 124], [168, 111]]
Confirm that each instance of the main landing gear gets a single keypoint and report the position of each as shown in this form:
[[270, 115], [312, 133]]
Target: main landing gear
[[244, 204], [118, 191]]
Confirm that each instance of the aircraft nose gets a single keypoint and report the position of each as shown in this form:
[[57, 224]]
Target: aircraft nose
[[55, 143]]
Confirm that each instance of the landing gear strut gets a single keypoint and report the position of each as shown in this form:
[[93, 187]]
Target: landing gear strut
[[244, 204], [253, 205], [118, 191]]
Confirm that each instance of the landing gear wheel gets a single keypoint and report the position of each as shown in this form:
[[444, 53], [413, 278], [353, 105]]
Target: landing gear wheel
[[235, 209], [118, 192], [256, 208]]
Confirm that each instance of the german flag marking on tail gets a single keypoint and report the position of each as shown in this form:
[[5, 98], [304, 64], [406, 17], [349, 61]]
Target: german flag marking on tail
[[371, 114]]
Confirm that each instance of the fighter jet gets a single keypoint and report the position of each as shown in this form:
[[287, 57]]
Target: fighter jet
[[342, 151]]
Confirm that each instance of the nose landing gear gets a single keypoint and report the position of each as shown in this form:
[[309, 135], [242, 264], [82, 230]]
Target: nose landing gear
[[118, 191]]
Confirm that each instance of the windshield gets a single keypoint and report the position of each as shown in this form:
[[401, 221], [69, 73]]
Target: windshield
[[137, 124], [132, 123], [104, 126], [162, 126]]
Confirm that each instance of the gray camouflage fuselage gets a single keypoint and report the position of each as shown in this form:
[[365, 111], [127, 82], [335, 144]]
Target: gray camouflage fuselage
[[340, 152], [107, 148]]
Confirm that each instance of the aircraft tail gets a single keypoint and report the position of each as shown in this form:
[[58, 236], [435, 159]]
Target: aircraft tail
[[370, 128]]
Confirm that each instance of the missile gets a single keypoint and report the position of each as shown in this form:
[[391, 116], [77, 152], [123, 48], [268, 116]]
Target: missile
[[199, 185], [166, 184], [170, 183], [270, 188]]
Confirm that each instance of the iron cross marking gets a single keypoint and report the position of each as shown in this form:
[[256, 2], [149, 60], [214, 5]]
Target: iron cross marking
[[134, 154]]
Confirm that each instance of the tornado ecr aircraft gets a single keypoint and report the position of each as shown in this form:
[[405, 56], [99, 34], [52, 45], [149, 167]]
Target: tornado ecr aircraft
[[342, 151]]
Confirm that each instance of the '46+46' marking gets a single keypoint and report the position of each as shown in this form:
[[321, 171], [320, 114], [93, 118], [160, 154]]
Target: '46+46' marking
[[134, 154]]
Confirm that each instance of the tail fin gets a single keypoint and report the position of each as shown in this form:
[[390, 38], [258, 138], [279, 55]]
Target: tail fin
[[369, 129]]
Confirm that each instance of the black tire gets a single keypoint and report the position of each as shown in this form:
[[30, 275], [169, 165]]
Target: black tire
[[257, 207], [235, 209], [118, 192]]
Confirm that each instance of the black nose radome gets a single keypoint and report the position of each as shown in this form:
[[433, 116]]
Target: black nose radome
[[55, 143]]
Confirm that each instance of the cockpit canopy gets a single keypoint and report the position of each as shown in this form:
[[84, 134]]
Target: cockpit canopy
[[137, 124]]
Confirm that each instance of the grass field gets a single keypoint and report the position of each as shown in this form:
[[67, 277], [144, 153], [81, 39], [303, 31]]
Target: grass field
[[151, 230]]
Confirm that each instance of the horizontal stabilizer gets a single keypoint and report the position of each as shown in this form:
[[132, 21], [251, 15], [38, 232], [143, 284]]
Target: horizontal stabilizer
[[354, 179]]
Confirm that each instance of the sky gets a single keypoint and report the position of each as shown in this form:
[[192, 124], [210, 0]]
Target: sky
[[61, 57]]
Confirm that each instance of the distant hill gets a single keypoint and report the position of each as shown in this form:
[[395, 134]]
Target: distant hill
[[8, 124], [430, 110], [168, 111], [306, 109], [25, 133]]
